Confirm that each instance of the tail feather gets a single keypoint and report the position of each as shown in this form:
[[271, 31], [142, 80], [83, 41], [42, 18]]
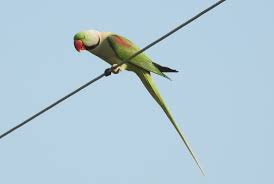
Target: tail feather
[[164, 68], [148, 83]]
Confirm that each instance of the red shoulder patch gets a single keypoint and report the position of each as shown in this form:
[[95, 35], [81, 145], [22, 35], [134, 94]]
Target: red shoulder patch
[[120, 41]]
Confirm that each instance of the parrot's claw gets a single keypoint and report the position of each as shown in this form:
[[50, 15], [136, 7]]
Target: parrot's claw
[[116, 70]]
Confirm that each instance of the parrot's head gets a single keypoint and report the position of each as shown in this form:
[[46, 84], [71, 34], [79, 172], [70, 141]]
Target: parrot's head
[[86, 40]]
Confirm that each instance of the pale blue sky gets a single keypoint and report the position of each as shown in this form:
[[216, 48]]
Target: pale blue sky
[[113, 132]]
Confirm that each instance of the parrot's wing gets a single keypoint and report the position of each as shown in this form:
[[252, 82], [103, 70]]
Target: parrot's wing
[[124, 48]]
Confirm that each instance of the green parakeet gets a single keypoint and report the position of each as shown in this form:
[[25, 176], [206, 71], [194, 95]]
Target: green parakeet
[[114, 49]]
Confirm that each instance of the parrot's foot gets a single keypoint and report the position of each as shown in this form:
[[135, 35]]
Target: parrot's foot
[[116, 70]]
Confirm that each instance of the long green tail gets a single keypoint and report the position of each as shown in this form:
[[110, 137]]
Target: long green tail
[[149, 84]]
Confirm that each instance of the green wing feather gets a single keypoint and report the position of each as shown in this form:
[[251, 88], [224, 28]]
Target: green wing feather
[[142, 65], [125, 48]]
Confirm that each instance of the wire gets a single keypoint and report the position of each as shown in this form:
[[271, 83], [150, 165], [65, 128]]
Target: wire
[[171, 32], [52, 105], [108, 71]]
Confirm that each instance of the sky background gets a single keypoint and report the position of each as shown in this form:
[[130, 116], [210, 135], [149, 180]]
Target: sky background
[[113, 132]]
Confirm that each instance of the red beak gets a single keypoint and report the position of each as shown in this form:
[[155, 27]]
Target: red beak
[[78, 44]]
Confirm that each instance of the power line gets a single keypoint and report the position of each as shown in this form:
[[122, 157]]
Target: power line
[[52, 105], [172, 31], [108, 71]]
